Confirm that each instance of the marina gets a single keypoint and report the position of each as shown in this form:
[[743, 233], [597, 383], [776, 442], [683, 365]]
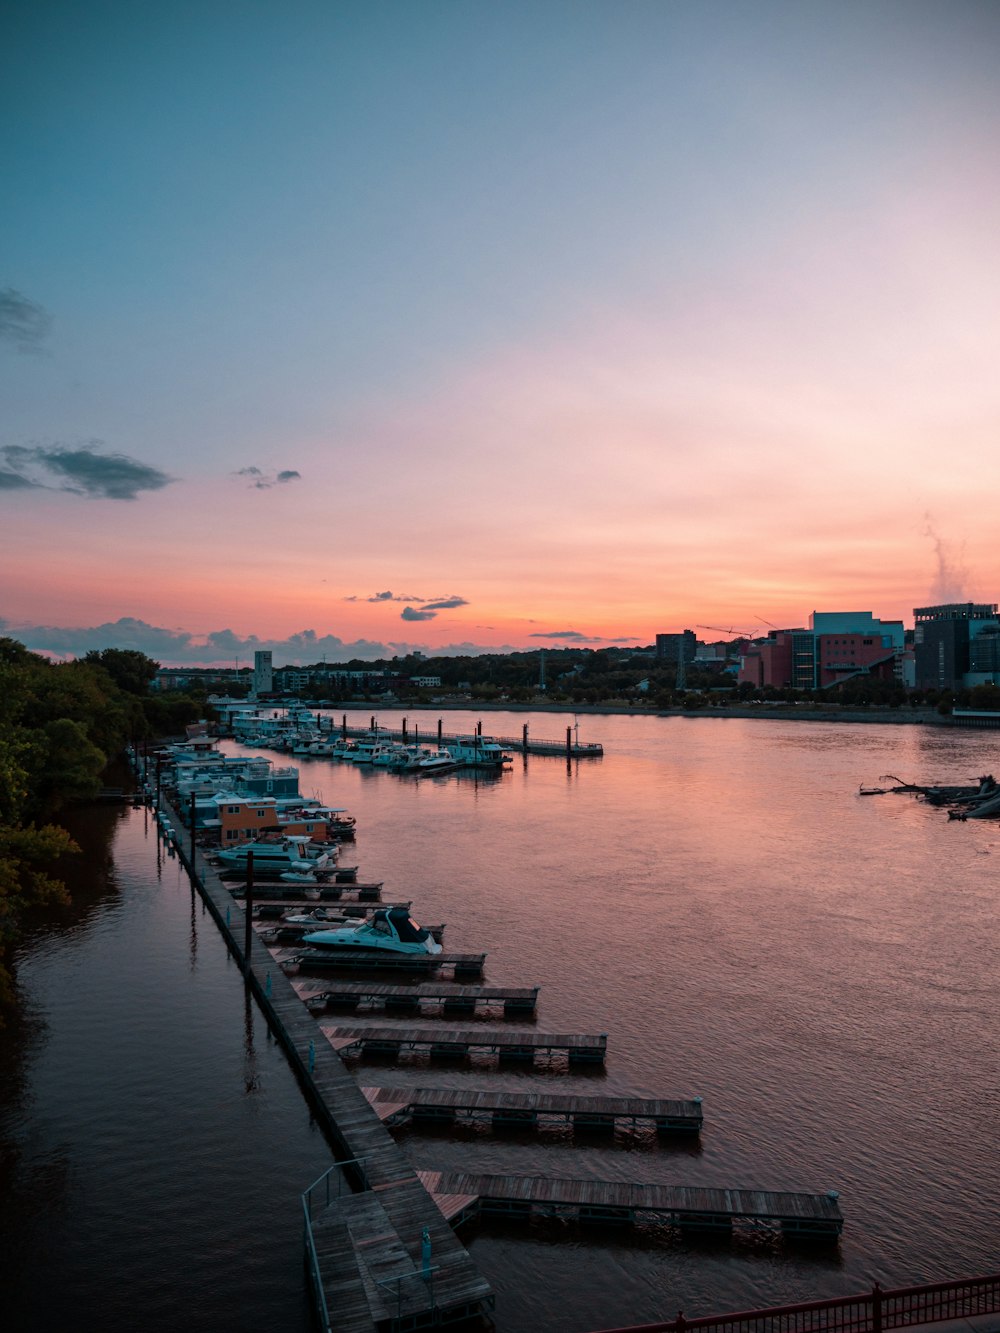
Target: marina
[[675, 968]]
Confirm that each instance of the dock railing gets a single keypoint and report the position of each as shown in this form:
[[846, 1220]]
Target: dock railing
[[876, 1311], [321, 1188]]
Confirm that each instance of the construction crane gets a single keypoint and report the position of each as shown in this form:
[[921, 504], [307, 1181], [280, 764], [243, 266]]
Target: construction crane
[[720, 629]]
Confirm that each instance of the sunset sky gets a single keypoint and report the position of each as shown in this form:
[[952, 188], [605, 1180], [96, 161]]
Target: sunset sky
[[349, 327]]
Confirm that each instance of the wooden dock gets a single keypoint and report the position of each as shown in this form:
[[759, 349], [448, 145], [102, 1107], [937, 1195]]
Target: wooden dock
[[379, 1280], [398, 1106], [265, 874], [571, 746], [275, 890], [274, 910], [460, 1043], [816, 1216], [469, 965], [449, 999]]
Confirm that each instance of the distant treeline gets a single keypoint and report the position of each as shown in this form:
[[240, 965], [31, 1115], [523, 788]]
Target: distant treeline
[[60, 725]]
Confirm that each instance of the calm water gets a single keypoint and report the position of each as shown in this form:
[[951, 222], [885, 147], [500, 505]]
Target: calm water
[[821, 968]]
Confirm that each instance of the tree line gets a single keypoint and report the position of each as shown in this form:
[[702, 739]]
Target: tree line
[[60, 726]]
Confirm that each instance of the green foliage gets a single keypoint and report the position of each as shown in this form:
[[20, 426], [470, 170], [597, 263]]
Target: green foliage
[[59, 725], [131, 671]]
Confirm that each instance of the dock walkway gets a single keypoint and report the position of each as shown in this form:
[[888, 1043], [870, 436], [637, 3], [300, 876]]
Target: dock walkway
[[803, 1215], [579, 1048], [397, 1106], [384, 1263]]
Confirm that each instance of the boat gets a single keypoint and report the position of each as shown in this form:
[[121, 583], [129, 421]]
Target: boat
[[390, 930], [421, 760], [477, 752], [318, 917], [293, 853], [436, 761]]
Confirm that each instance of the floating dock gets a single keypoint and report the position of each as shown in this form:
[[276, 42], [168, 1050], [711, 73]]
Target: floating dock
[[293, 895], [533, 1110], [264, 874], [460, 1043], [449, 999], [468, 965], [461, 1196], [572, 747], [365, 1248]]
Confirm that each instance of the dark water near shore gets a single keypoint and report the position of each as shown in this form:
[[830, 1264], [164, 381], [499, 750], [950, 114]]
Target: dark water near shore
[[821, 968]]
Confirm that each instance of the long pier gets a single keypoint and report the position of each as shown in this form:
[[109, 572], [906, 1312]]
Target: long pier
[[367, 1248], [461, 1196], [449, 998], [579, 1048], [524, 744], [399, 1106]]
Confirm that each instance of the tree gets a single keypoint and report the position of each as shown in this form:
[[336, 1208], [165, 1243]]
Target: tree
[[130, 670]]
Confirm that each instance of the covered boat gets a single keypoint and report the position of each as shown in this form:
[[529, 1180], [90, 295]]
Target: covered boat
[[390, 929]]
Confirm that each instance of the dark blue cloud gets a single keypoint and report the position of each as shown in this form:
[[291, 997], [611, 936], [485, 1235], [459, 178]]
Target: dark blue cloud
[[81, 471]]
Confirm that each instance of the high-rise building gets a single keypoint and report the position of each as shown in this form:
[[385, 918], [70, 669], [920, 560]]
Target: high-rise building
[[677, 647], [263, 675]]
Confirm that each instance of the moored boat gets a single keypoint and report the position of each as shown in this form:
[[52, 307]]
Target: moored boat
[[390, 930]]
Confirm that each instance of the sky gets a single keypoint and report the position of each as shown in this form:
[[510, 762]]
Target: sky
[[348, 328]]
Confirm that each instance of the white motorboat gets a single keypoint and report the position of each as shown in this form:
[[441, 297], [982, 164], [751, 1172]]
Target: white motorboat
[[435, 760], [293, 853], [422, 759], [390, 929], [476, 752]]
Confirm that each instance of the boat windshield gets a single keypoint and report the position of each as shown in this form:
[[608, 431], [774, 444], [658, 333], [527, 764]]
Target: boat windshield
[[406, 928]]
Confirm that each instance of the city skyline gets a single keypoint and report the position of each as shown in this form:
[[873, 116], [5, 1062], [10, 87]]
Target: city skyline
[[366, 328]]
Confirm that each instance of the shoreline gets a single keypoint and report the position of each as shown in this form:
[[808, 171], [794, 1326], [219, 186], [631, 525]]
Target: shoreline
[[790, 712]]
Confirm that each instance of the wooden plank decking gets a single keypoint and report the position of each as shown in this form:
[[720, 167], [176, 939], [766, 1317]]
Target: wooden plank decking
[[357, 1135], [396, 1106], [589, 1048], [450, 998], [458, 964], [816, 1215]]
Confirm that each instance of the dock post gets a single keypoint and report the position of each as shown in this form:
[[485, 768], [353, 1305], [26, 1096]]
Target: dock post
[[404, 730], [248, 908], [343, 726], [479, 727], [192, 834], [569, 742], [876, 1309], [371, 723], [439, 731], [524, 738]]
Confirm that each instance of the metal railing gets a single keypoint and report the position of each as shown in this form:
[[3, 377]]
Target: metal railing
[[876, 1311], [312, 1258]]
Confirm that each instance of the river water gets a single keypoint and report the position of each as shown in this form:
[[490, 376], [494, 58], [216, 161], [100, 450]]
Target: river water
[[821, 968]]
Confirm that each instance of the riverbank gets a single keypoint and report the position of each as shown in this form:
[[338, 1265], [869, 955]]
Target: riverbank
[[770, 712]]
